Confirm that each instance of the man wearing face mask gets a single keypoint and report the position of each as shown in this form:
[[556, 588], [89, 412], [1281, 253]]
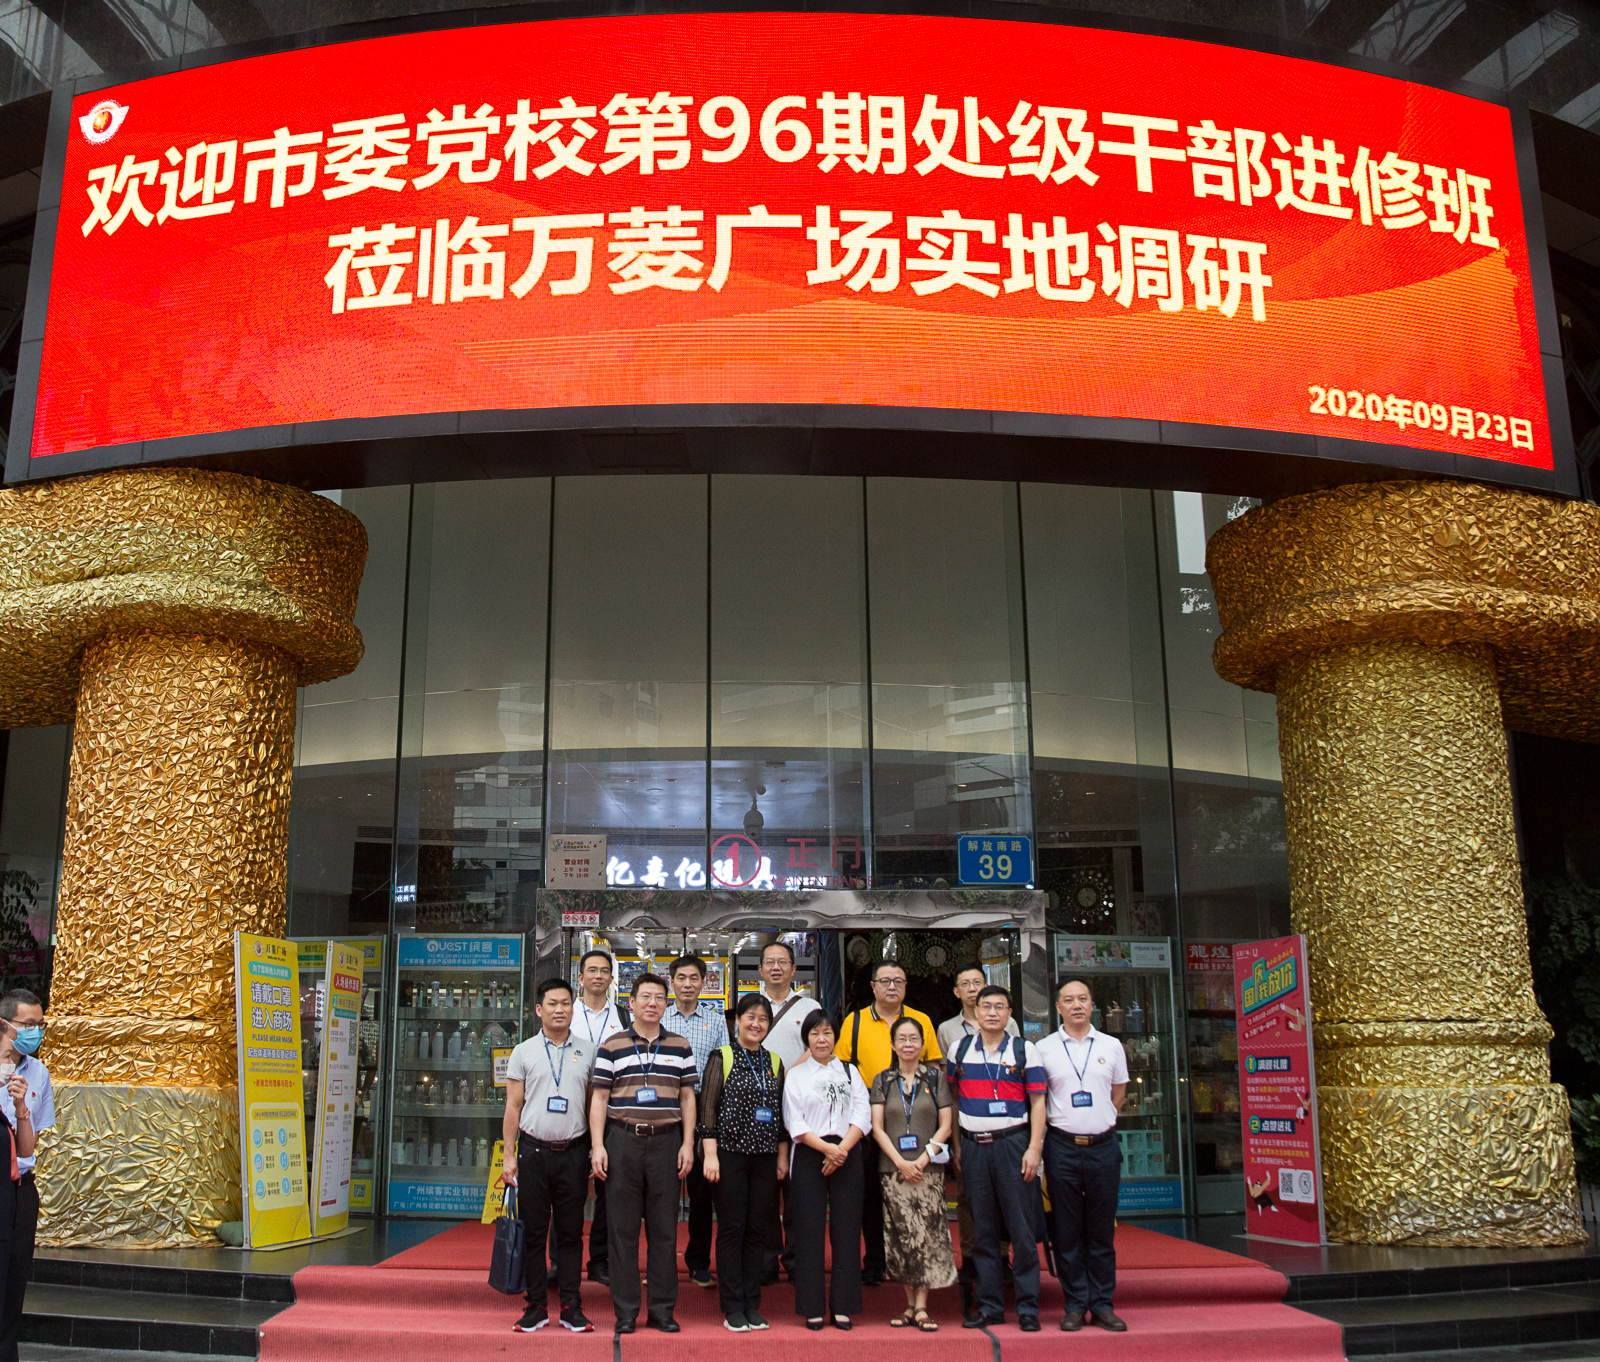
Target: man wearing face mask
[[21, 1031]]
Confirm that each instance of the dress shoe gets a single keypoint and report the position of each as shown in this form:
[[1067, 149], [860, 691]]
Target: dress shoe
[[666, 1325], [816, 1325], [1029, 1324], [626, 1326], [600, 1274], [1104, 1319], [1072, 1321], [841, 1322], [979, 1322]]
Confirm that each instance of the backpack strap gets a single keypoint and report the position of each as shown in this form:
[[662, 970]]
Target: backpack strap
[[855, 1037], [726, 1051]]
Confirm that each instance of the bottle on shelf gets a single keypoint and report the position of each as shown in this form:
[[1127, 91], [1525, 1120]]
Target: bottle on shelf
[[481, 1157], [478, 1092], [1133, 1023], [469, 1046], [436, 1154], [1095, 1019], [397, 1152], [463, 1092], [438, 1041], [411, 1041], [452, 1157], [411, 1152], [1114, 1017], [454, 1044]]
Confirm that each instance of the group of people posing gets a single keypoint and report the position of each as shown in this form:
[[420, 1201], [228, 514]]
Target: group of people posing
[[802, 1132]]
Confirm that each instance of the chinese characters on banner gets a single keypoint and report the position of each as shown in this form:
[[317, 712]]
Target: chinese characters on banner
[[272, 1117], [793, 208], [1277, 1091], [337, 1093]]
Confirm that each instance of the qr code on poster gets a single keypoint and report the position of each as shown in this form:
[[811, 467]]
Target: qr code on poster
[[1297, 1184]]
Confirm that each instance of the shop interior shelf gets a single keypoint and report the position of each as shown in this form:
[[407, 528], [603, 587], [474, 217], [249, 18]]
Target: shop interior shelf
[[476, 1065], [475, 1110], [506, 1015]]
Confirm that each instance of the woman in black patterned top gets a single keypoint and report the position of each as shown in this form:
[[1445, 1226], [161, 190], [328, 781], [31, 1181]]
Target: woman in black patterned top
[[746, 1153]]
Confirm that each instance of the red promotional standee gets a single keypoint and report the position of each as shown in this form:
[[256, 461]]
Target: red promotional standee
[[1277, 1091], [814, 208]]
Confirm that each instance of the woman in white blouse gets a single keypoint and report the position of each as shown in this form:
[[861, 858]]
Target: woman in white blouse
[[827, 1115]]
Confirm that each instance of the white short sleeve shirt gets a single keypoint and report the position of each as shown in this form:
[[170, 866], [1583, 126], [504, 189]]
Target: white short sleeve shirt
[[1093, 1065]]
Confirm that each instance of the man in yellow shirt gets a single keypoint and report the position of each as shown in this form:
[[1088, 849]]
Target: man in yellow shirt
[[864, 1041]]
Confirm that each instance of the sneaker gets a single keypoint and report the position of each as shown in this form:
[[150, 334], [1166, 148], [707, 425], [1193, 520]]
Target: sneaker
[[574, 1319], [755, 1321], [534, 1317], [702, 1277], [736, 1323]]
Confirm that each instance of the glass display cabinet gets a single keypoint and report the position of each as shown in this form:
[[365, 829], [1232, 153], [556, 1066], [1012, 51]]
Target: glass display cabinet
[[458, 1013], [1214, 1076], [1131, 979]]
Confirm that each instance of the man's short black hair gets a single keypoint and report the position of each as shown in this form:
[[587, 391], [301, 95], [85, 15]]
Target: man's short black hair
[[892, 964], [993, 991], [968, 969], [687, 962], [1074, 980], [782, 946], [547, 986], [644, 979], [589, 955], [14, 998]]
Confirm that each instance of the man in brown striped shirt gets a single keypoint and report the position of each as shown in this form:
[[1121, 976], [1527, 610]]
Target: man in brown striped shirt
[[641, 1122]]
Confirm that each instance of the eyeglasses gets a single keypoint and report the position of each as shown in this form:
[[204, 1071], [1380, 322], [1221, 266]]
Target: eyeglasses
[[886, 982]]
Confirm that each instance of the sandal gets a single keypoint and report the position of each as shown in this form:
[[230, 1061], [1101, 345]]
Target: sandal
[[925, 1322], [904, 1321]]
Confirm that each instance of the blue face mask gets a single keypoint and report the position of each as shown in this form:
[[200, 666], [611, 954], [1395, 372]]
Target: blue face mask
[[28, 1038]]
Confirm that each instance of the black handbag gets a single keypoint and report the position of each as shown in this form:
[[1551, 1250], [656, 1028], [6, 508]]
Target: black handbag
[[508, 1262]]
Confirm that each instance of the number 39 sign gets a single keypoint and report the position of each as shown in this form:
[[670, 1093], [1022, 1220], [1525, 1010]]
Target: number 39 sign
[[994, 859]]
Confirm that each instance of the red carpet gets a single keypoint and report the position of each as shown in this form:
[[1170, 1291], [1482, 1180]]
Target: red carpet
[[1183, 1301]]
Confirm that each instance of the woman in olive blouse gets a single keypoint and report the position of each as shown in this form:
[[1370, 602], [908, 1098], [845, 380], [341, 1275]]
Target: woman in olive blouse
[[746, 1153], [911, 1112]]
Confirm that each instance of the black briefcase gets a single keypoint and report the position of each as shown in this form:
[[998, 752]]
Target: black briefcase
[[509, 1260]]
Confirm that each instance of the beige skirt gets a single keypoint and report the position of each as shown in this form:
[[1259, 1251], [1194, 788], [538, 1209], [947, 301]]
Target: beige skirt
[[916, 1231]]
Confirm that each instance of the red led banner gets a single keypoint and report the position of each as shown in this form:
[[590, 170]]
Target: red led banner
[[813, 208]]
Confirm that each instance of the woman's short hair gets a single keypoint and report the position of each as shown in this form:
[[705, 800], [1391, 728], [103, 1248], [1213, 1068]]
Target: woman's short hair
[[751, 1002], [820, 1017], [907, 1021]]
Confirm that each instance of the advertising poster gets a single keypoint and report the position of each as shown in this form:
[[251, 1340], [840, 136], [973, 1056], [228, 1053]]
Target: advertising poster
[[336, 1089], [1277, 1091], [272, 1118]]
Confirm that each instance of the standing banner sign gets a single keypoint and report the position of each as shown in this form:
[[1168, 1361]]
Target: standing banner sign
[[1278, 1091], [272, 1117], [336, 1089]]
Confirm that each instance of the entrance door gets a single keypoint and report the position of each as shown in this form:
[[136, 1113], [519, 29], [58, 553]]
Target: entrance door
[[931, 960]]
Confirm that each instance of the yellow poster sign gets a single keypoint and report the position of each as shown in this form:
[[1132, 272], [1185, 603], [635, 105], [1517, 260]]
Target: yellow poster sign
[[336, 1088], [272, 1119], [494, 1195]]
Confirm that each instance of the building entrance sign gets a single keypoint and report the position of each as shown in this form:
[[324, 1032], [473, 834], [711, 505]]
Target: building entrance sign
[[1278, 1091], [544, 224]]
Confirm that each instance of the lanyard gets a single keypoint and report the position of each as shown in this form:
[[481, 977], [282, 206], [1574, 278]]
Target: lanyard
[[759, 1076], [994, 1069], [907, 1102], [555, 1073], [655, 1050], [588, 1021], [1066, 1042]]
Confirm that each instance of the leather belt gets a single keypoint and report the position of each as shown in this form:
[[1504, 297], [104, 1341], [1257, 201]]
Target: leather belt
[[990, 1136], [643, 1130], [1071, 1137], [549, 1146]]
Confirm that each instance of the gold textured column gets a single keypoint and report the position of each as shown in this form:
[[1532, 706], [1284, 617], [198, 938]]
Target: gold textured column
[[1403, 627], [171, 614]]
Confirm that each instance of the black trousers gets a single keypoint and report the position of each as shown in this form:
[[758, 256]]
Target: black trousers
[[642, 1188], [872, 1262], [19, 1262], [780, 1235], [992, 1174], [599, 1244], [1084, 1181], [551, 1189], [828, 1206], [697, 1252], [747, 1203]]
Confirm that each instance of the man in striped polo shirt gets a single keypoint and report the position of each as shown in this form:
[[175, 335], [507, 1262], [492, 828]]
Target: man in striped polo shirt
[[641, 1125], [1000, 1089]]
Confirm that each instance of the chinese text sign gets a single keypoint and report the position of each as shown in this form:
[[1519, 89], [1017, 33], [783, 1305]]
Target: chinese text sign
[[1277, 1091], [895, 211]]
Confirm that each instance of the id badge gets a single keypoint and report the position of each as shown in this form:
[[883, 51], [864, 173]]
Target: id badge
[[762, 1116], [1082, 1099], [999, 1108], [556, 1104], [908, 1143], [645, 1097]]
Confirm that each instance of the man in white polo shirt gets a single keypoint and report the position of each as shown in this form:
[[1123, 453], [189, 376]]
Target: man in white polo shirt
[[1087, 1074]]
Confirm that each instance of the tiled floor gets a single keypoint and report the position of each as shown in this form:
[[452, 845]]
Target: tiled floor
[[1550, 1300], [1527, 1352]]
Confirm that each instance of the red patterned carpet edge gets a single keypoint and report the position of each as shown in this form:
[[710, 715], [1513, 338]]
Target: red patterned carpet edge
[[1182, 1301]]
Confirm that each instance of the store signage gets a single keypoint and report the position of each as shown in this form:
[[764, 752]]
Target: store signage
[[1278, 1091], [860, 210], [337, 1088], [1100, 952], [988, 859], [575, 861], [459, 952], [272, 1116]]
